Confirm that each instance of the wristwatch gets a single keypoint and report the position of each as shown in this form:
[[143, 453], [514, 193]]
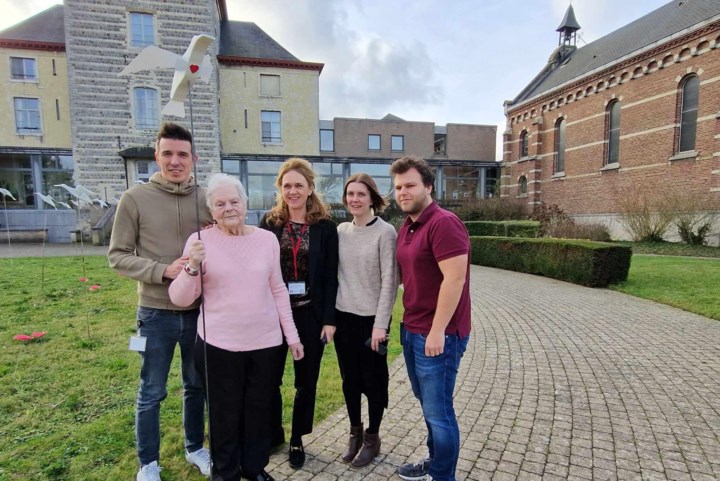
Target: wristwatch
[[190, 269]]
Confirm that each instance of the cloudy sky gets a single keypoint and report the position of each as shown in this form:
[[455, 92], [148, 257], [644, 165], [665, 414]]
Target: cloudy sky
[[443, 61]]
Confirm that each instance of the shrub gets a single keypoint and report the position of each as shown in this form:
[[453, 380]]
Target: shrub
[[694, 216], [508, 228], [496, 208], [587, 263], [549, 217], [646, 216], [573, 230]]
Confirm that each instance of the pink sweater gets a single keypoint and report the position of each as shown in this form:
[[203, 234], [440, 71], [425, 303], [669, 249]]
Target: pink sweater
[[246, 302]]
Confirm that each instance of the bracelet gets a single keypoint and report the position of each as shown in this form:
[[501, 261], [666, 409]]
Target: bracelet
[[190, 269]]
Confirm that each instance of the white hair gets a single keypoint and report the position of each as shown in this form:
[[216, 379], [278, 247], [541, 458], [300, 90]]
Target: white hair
[[217, 180]]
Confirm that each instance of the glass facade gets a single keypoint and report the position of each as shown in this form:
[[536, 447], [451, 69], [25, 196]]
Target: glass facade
[[329, 181], [460, 182], [455, 182], [379, 172], [24, 174]]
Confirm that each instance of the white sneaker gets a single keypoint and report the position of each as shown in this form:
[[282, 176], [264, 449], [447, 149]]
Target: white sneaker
[[149, 472], [201, 460]]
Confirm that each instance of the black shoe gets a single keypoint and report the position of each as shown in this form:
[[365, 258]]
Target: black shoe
[[263, 476], [296, 456]]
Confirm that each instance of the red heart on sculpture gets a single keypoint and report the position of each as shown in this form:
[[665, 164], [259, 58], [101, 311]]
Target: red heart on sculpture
[[194, 68]]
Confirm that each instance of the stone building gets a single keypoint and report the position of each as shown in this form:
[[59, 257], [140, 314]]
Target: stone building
[[68, 118], [635, 112]]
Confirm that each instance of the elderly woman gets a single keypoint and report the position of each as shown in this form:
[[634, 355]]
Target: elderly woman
[[245, 313], [365, 299], [309, 262]]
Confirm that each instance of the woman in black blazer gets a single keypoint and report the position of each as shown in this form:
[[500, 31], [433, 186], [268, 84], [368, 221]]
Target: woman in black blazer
[[309, 262]]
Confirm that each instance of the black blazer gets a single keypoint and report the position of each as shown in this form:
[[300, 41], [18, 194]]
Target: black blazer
[[323, 266]]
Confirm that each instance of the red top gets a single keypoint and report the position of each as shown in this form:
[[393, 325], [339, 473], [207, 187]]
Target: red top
[[436, 235]]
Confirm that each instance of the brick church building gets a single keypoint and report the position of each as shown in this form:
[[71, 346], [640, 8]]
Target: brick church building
[[636, 111]]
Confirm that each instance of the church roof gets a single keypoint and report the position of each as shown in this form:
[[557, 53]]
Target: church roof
[[656, 26], [569, 22]]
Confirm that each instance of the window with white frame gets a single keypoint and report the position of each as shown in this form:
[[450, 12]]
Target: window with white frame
[[270, 123], [373, 141], [22, 68], [27, 116], [397, 143], [142, 29], [269, 85], [144, 169], [146, 107]]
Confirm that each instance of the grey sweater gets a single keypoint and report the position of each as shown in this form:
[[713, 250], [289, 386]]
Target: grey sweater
[[368, 270]]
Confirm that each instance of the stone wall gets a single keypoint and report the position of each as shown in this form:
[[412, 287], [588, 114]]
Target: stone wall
[[98, 48]]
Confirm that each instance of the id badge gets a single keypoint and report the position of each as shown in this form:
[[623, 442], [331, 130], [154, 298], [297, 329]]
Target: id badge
[[296, 288], [137, 343]]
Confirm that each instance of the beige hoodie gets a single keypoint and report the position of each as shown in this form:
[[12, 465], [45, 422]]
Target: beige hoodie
[[152, 223]]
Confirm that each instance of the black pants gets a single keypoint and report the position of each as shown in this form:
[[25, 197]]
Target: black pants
[[240, 386], [363, 370], [307, 372]]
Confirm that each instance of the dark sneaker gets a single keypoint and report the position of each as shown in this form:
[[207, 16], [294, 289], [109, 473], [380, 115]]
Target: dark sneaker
[[415, 472], [296, 456], [263, 476]]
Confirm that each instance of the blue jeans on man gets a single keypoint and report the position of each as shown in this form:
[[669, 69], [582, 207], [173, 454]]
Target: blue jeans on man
[[164, 329], [433, 382]]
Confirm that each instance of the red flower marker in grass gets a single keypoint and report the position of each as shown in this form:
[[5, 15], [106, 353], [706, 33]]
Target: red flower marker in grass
[[94, 287], [32, 337], [83, 279]]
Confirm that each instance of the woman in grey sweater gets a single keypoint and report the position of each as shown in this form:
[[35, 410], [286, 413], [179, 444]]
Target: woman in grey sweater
[[367, 276]]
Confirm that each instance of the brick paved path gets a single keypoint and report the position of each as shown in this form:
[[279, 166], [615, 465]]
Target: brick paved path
[[558, 382]]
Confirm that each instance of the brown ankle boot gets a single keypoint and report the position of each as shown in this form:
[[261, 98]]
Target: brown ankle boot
[[370, 449], [354, 443]]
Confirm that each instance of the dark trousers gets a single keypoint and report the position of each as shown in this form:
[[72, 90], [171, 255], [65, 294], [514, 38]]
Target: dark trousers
[[363, 370], [240, 386], [307, 372]]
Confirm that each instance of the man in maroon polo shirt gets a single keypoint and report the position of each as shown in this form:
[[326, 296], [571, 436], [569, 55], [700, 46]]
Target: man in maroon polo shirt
[[433, 251]]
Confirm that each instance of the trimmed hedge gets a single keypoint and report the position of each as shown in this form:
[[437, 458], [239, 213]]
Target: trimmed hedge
[[504, 228], [592, 264]]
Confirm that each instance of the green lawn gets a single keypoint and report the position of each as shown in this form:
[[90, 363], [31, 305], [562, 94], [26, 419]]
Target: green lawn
[[67, 400], [687, 283]]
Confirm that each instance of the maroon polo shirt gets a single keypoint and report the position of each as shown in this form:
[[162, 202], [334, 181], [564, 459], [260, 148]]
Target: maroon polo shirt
[[436, 235]]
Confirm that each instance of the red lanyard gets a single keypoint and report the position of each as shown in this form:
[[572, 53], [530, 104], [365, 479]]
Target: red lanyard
[[296, 248]]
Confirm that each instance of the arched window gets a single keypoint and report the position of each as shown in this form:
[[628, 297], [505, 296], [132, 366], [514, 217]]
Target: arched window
[[613, 133], [523, 144], [560, 145], [522, 185], [689, 92], [146, 108]]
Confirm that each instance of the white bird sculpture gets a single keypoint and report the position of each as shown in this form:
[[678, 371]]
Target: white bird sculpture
[[47, 199], [189, 68], [79, 192], [6, 193]]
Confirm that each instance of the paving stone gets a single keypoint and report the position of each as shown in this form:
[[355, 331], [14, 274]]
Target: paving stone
[[559, 382]]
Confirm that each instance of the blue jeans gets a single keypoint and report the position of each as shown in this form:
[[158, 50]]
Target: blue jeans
[[163, 330], [433, 381]]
